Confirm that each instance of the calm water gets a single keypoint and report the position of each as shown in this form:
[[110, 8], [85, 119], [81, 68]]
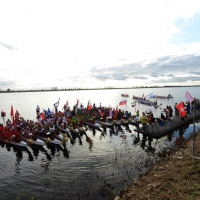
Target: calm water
[[96, 172]]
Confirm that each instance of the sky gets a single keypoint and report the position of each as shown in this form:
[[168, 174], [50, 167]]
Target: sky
[[98, 43]]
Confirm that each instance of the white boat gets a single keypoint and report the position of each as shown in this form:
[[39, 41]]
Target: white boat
[[30, 141]]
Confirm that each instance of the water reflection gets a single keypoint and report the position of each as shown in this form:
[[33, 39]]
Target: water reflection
[[45, 164], [8, 147], [113, 163], [19, 155], [37, 148]]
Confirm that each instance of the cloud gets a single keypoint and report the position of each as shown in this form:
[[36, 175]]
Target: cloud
[[9, 47], [96, 43], [7, 84], [161, 70], [196, 73], [140, 77]]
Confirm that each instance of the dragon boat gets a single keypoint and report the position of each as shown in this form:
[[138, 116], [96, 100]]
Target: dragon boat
[[14, 143], [148, 102], [93, 126], [162, 97], [48, 140], [32, 141], [138, 97]]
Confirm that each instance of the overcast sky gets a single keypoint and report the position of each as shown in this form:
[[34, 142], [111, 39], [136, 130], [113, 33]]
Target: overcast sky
[[98, 43]]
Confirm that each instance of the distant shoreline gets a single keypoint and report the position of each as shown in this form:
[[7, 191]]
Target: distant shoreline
[[78, 89]]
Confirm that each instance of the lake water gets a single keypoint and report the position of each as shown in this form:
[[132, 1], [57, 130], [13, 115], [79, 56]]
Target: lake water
[[87, 172]]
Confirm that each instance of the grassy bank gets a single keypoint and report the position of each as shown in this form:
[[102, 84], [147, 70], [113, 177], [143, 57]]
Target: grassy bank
[[176, 177]]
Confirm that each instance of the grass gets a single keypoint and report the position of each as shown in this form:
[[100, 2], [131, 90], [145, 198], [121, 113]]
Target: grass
[[175, 177]]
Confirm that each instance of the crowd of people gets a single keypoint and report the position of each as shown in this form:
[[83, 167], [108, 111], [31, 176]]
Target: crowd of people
[[148, 120], [48, 120]]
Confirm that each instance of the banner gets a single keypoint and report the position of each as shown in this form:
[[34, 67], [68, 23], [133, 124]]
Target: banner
[[181, 109], [189, 97], [150, 95]]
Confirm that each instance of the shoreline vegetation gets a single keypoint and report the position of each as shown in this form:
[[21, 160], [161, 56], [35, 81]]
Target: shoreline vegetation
[[53, 89], [174, 177]]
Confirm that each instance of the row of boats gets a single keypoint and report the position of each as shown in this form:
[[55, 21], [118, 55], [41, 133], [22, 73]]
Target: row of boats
[[61, 136], [147, 101]]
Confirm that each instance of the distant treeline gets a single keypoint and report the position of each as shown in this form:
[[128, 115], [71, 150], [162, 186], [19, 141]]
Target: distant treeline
[[106, 88]]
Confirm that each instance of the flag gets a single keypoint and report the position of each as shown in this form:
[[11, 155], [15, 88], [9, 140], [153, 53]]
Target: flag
[[110, 113], [122, 103], [116, 111], [12, 111], [66, 104], [181, 109], [133, 104], [77, 102], [101, 113], [57, 103], [89, 106], [65, 107], [188, 97], [12, 115], [42, 116], [56, 107], [150, 95]]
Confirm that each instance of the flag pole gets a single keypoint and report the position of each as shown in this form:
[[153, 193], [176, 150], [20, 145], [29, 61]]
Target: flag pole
[[126, 105], [194, 126]]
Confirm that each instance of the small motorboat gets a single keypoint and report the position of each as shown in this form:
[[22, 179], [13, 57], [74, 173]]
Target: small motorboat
[[125, 95], [170, 96]]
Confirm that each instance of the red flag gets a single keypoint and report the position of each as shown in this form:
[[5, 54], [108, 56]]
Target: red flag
[[12, 111], [116, 111], [12, 115], [181, 109], [101, 113], [42, 116], [89, 106]]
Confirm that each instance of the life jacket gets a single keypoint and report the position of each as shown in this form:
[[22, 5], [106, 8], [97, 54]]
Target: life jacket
[[143, 119]]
